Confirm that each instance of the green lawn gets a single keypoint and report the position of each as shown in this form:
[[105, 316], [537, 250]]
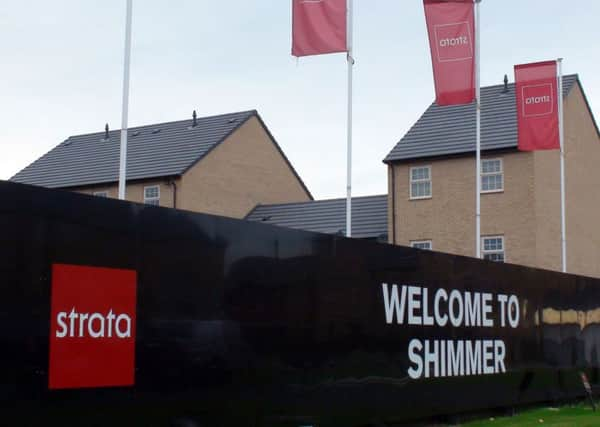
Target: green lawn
[[565, 416]]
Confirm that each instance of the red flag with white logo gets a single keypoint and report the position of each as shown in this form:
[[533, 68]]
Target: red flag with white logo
[[319, 26], [536, 88], [451, 29]]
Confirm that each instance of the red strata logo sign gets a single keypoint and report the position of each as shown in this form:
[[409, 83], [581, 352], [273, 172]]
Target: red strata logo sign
[[538, 100], [92, 327], [454, 42]]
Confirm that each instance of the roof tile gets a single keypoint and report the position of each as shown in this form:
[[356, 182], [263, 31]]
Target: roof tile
[[89, 159], [369, 216], [450, 130]]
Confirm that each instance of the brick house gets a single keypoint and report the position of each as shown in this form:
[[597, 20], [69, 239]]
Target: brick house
[[431, 183], [224, 165]]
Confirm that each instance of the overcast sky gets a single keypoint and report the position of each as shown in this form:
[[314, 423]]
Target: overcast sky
[[61, 72]]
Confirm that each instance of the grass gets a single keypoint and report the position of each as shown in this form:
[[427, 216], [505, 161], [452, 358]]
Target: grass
[[565, 416]]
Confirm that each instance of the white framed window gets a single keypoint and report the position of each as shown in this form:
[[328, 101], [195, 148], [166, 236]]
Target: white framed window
[[421, 244], [492, 175], [492, 248], [100, 193], [152, 195], [420, 182]]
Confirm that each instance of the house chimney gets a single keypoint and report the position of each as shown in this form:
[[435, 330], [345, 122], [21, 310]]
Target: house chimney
[[194, 119], [505, 83], [106, 131]]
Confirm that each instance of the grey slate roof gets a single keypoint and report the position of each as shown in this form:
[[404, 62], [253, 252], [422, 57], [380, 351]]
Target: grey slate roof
[[369, 216], [157, 150], [450, 130]]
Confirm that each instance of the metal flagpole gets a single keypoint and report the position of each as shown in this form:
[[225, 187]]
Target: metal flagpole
[[563, 236], [123, 153], [478, 136], [350, 60]]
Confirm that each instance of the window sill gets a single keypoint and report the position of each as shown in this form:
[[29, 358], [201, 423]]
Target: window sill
[[420, 198], [491, 191]]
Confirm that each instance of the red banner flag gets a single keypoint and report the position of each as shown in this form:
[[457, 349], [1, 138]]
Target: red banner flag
[[536, 89], [319, 26], [451, 29]]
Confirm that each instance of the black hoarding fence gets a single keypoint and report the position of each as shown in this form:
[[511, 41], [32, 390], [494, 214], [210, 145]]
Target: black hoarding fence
[[118, 313]]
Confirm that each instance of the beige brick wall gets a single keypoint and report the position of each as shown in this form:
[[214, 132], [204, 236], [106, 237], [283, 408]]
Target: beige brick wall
[[547, 209], [448, 217], [582, 148], [582, 168], [244, 170], [135, 191], [391, 210]]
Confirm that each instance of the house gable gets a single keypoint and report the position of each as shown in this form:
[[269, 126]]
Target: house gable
[[582, 198], [246, 169]]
